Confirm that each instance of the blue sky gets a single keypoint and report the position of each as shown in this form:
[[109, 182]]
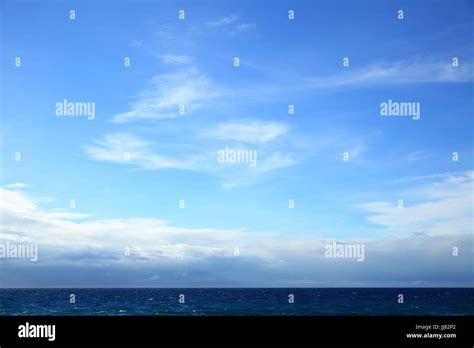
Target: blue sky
[[189, 62]]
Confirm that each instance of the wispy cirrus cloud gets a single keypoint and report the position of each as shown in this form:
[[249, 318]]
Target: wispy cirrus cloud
[[224, 21], [267, 138], [166, 94], [176, 59], [441, 206], [417, 156], [246, 27], [250, 131], [268, 163], [125, 148], [231, 24], [190, 89], [199, 150], [130, 150], [427, 70], [426, 177], [17, 186]]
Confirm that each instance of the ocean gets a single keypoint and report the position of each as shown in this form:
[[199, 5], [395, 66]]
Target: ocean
[[238, 301]]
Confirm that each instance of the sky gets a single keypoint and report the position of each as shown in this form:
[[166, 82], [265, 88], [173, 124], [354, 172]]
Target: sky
[[153, 204]]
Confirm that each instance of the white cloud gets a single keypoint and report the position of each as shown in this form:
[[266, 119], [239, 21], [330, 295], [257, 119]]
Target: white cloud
[[80, 240], [275, 150], [267, 138], [246, 176], [128, 149], [440, 207], [231, 25], [17, 186], [253, 131], [417, 156], [163, 98], [44, 199], [423, 177], [176, 59], [246, 27], [18, 204], [415, 71], [146, 237], [141, 154], [224, 21]]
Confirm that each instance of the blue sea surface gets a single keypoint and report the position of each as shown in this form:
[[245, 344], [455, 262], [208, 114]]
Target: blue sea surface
[[238, 301]]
